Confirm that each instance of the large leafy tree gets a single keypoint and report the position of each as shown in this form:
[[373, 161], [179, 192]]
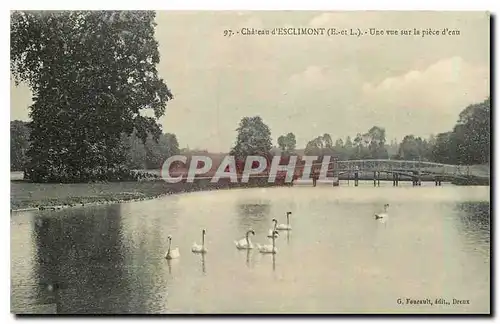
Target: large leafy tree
[[91, 73], [472, 134], [19, 143], [254, 138], [469, 141]]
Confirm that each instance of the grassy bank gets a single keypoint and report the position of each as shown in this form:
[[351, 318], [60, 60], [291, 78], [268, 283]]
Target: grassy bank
[[471, 181], [42, 195]]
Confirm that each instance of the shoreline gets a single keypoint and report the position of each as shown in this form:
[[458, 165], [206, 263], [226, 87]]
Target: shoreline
[[27, 196]]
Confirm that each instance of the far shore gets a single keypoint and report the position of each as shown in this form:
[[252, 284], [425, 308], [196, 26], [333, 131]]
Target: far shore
[[32, 196]]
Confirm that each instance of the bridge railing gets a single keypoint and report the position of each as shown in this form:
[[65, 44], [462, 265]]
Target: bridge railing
[[401, 165]]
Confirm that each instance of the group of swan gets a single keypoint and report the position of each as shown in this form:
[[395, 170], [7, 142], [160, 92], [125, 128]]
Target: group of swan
[[243, 244], [282, 227], [174, 253], [246, 244]]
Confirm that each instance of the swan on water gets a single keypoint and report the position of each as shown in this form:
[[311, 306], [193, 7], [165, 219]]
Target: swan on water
[[273, 230], [286, 226], [384, 214], [269, 248], [171, 253], [200, 248], [245, 243]]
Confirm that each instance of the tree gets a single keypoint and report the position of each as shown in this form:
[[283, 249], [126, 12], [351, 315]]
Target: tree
[[314, 147], [469, 141], [376, 143], [291, 142], [444, 151], [409, 149], [348, 148], [320, 146], [327, 140], [19, 143], [282, 143], [152, 154], [287, 143], [472, 134], [254, 138], [91, 74]]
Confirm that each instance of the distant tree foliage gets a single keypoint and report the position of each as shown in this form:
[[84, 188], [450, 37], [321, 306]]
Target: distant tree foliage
[[287, 143], [139, 155], [414, 149], [91, 74], [370, 145], [320, 146], [152, 154], [19, 143], [254, 138]]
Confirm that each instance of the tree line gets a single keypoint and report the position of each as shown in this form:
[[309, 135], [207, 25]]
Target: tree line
[[468, 142], [138, 155], [93, 74]]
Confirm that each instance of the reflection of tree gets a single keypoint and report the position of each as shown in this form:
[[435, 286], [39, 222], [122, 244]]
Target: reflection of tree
[[79, 255], [254, 215], [475, 220]]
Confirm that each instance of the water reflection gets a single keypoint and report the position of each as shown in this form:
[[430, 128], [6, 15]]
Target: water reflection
[[76, 255], [248, 258], [171, 263], [111, 259], [254, 215], [203, 269], [474, 224]]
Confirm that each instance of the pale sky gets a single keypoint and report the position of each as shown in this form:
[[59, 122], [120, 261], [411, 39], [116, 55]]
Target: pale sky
[[310, 85]]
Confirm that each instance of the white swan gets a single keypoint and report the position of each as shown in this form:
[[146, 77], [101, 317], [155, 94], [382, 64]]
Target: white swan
[[270, 248], [384, 214], [272, 232], [285, 227], [245, 243], [171, 253], [200, 248]]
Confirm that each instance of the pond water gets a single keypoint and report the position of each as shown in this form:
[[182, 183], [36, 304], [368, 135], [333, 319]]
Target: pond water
[[336, 259]]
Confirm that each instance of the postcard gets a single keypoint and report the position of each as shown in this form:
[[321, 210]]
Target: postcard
[[250, 162]]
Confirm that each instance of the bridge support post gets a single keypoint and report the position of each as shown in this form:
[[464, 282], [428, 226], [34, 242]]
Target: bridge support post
[[336, 179]]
